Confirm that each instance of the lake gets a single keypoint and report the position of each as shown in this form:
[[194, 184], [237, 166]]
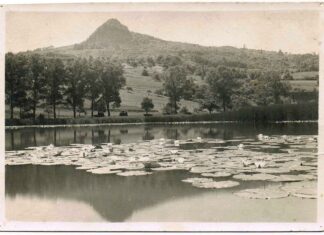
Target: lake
[[62, 193]]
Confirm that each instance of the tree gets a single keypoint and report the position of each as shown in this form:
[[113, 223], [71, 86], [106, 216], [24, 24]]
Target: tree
[[207, 99], [147, 104], [277, 87], [93, 72], [75, 91], [100, 107], [55, 75], [37, 81], [144, 72], [112, 80], [270, 88], [222, 82], [174, 85], [15, 81]]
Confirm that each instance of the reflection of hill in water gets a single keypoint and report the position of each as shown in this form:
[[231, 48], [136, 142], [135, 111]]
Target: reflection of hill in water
[[115, 198]]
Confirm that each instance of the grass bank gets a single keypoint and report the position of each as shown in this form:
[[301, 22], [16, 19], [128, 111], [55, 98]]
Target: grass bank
[[273, 113]]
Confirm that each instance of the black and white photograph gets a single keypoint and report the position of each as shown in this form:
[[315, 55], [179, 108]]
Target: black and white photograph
[[176, 113]]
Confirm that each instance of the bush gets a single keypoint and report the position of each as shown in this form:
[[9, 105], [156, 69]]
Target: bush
[[145, 73], [184, 110], [123, 113]]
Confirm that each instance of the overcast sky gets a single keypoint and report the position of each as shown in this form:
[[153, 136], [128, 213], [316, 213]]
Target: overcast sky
[[290, 31]]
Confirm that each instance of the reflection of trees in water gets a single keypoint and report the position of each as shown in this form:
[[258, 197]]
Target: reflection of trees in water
[[147, 135], [171, 133], [99, 135], [113, 197], [123, 131], [185, 129], [22, 138]]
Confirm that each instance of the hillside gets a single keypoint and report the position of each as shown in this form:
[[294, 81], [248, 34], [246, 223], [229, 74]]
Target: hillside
[[113, 39], [136, 51]]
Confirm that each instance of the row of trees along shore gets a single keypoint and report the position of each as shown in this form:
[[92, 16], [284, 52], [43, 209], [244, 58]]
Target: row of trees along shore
[[33, 80]]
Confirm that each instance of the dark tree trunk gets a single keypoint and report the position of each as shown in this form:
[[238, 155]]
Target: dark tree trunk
[[92, 104], [224, 106], [34, 110], [74, 111], [108, 109], [54, 110], [175, 106], [11, 110]]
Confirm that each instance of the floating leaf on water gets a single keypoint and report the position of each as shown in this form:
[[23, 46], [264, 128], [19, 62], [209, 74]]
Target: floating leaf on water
[[306, 193], [273, 170], [202, 170], [254, 177], [103, 170], [262, 193], [197, 180], [287, 178], [216, 184], [304, 189], [134, 173], [86, 167], [216, 174]]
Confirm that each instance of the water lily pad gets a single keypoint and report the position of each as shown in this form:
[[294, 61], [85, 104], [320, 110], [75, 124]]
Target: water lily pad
[[197, 180], [134, 173], [216, 184], [287, 178], [202, 170], [246, 177], [262, 193], [304, 189], [103, 170], [273, 170], [216, 174]]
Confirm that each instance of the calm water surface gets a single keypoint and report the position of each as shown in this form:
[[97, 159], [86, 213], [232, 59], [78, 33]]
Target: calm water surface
[[61, 193]]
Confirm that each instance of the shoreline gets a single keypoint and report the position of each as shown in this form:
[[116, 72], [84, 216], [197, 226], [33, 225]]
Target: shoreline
[[148, 123]]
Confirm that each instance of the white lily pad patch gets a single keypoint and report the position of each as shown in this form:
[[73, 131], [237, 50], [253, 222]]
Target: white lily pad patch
[[262, 193], [255, 177], [197, 180], [216, 174], [273, 170], [243, 159], [216, 184], [103, 171], [134, 173], [287, 178], [303, 189]]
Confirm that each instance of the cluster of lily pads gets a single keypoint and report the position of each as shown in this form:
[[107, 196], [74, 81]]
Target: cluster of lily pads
[[217, 163]]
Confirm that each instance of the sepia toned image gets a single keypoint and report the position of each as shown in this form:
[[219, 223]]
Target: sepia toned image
[[162, 113]]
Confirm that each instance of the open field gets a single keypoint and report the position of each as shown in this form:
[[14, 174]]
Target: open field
[[305, 75], [307, 85]]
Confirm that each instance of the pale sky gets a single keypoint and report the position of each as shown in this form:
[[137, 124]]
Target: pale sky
[[290, 31]]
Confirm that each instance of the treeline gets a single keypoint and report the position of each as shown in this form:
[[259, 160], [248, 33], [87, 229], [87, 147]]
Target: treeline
[[32, 80], [225, 89], [261, 114]]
